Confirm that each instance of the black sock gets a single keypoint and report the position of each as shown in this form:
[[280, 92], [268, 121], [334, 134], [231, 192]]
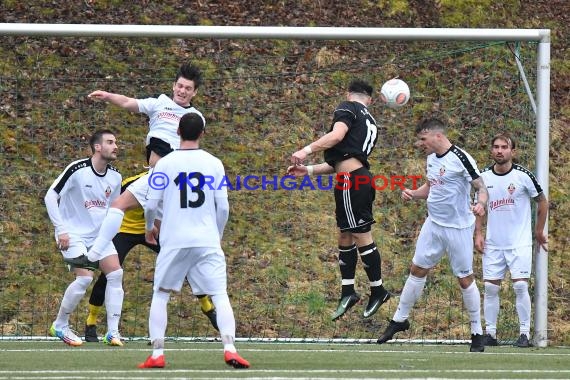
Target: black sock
[[373, 266], [347, 259]]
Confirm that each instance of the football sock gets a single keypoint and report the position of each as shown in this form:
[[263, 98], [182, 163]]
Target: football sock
[[114, 295], [347, 259], [225, 318], [157, 347], [93, 314], [71, 298], [372, 265], [491, 308], [472, 302], [522, 299], [109, 228], [412, 291], [158, 315], [205, 303]]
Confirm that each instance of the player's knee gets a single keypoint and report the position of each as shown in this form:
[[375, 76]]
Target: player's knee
[[115, 277], [220, 300], [520, 287], [83, 281], [491, 290]]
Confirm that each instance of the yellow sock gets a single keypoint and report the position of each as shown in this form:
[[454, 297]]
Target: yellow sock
[[93, 314], [206, 303]]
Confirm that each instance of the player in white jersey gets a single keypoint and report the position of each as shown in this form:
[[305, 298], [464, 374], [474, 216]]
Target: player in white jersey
[[195, 212], [164, 115], [163, 112], [77, 202], [508, 242], [451, 172]]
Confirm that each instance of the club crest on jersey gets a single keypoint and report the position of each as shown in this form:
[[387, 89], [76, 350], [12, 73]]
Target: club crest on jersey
[[442, 171], [108, 191], [511, 189]]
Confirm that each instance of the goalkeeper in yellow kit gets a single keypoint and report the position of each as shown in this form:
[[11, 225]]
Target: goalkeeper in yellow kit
[[131, 234]]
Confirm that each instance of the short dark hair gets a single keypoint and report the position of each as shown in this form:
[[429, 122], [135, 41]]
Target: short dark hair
[[190, 126], [97, 137], [504, 136], [430, 124], [361, 87], [190, 72]]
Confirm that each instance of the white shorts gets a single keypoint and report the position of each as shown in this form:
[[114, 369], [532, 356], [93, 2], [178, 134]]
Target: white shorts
[[496, 262], [204, 268], [435, 240], [140, 189], [79, 246]]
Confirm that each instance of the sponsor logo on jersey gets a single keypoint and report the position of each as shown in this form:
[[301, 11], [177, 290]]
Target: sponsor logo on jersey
[[501, 202], [169, 115], [95, 203], [436, 181]]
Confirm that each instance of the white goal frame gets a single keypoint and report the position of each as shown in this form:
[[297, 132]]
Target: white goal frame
[[542, 36]]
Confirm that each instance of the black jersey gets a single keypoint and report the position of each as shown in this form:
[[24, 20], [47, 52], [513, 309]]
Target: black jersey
[[360, 138]]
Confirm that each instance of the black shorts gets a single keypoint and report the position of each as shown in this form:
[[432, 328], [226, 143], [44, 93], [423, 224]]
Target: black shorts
[[354, 198], [158, 146]]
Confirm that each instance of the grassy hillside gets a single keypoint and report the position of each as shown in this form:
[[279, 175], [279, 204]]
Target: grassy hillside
[[280, 244]]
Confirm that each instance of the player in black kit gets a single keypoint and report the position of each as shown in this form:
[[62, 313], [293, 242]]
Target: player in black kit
[[346, 148]]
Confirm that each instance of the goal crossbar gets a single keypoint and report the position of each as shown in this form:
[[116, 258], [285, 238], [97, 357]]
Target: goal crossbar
[[273, 32]]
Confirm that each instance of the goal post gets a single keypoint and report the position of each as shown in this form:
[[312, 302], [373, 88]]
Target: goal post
[[540, 36]]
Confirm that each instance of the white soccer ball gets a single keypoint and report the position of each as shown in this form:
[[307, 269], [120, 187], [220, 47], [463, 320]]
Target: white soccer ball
[[395, 93]]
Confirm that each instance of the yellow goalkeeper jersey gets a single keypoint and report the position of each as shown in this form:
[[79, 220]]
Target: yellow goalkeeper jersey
[[133, 221]]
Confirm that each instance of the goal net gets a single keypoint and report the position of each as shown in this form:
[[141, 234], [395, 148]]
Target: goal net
[[263, 99]]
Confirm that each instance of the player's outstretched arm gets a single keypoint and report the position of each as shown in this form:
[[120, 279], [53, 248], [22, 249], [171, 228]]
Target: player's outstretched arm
[[302, 170], [329, 140], [122, 101]]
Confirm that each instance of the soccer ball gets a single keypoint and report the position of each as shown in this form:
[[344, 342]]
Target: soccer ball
[[395, 93]]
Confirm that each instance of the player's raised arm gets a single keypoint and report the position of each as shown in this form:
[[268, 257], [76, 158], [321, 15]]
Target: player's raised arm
[[122, 101]]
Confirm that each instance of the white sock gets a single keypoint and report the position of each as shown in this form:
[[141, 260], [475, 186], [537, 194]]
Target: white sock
[[71, 298], [472, 302], [158, 316], [226, 321], [412, 291], [157, 348], [523, 306], [109, 228], [491, 308], [114, 295]]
